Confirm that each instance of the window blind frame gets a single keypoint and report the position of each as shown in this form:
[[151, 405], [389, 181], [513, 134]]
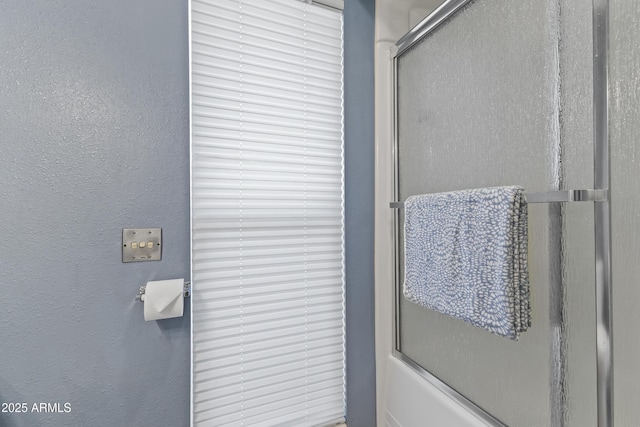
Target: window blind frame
[[334, 5]]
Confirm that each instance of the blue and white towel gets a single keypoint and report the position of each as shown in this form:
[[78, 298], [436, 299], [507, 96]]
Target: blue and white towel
[[466, 256]]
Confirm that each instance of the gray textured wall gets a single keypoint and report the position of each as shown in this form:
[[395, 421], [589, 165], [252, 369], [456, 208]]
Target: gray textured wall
[[359, 211], [93, 138]]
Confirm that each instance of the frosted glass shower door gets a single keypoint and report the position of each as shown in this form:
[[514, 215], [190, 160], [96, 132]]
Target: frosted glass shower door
[[501, 94]]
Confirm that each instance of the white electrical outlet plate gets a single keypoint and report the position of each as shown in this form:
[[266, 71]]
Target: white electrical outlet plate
[[141, 244]]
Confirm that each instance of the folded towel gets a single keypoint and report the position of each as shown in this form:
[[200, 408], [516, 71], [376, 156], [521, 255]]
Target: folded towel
[[466, 256]]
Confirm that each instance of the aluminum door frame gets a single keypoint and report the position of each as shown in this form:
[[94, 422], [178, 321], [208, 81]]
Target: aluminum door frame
[[602, 211]]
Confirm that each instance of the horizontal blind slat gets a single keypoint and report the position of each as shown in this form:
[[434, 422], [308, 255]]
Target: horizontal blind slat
[[213, 358]]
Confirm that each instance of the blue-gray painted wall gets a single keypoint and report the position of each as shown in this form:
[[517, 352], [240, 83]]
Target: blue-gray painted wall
[[359, 210], [93, 139]]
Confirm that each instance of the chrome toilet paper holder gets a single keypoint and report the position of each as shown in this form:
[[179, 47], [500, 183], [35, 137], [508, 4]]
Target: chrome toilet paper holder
[[186, 291]]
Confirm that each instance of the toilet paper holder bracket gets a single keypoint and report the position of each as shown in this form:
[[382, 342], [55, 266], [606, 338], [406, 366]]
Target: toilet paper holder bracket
[[186, 292]]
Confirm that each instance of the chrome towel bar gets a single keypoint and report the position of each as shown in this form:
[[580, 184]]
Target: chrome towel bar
[[561, 196]]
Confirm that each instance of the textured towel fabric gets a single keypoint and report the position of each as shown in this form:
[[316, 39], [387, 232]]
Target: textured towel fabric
[[466, 256]]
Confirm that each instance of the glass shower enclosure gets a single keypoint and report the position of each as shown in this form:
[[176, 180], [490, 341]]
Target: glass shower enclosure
[[493, 93]]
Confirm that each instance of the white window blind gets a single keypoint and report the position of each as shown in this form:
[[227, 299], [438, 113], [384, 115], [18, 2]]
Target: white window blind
[[267, 214]]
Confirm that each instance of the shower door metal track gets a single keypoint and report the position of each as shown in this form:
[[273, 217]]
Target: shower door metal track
[[602, 214], [600, 196]]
